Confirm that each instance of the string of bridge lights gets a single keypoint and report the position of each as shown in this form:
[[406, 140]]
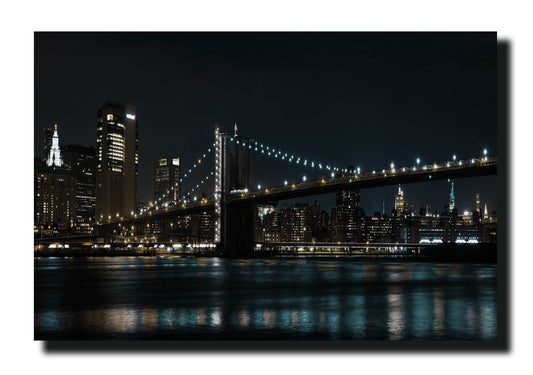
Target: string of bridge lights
[[278, 154], [281, 155], [187, 174], [203, 181]]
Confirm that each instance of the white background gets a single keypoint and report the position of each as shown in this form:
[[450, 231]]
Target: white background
[[20, 354]]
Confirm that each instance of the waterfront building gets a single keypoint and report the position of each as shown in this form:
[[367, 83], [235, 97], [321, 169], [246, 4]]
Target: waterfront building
[[347, 217], [271, 231], [54, 200], [202, 226], [296, 223], [167, 173], [379, 228], [261, 211], [81, 160], [117, 161]]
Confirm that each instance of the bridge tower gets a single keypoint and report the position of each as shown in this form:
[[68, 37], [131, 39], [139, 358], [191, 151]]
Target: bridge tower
[[233, 221]]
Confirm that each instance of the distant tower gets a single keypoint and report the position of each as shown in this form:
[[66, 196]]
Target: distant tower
[[400, 203], [167, 173], [452, 199], [485, 213], [476, 215], [54, 155]]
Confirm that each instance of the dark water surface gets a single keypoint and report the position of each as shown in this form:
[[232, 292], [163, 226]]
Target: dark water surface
[[213, 298]]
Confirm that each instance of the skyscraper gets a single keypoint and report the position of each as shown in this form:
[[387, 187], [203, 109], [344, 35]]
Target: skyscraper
[[117, 160], [347, 217], [82, 162], [476, 215], [400, 205], [167, 173], [54, 153], [452, 200]]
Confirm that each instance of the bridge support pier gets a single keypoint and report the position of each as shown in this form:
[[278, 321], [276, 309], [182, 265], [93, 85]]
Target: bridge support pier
[[238, 231]]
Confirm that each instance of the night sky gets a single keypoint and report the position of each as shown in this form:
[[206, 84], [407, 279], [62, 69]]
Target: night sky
[[343, 98]]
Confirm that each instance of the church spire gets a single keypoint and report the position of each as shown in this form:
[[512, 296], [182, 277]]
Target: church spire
[[54, 157]]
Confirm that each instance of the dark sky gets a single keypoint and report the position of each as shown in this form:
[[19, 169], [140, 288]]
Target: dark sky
[[343, 98]]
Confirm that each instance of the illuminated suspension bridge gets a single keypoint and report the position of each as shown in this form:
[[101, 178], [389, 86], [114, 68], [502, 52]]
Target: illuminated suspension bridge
[[233, 200]]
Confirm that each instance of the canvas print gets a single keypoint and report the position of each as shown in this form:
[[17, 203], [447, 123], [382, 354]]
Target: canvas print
[[266, 186]]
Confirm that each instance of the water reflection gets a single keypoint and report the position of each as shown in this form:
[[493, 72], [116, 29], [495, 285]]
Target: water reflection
[[180, 298]]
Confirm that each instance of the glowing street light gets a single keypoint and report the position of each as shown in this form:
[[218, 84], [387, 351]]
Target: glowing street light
[[305, 178], [258, 187], [417, 161], [454, 157], [285, 182]]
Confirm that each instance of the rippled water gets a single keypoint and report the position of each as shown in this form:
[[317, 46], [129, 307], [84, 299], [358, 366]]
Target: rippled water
[[212, 298]]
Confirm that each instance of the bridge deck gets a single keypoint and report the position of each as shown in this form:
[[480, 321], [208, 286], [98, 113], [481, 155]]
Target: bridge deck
[[433, 172]]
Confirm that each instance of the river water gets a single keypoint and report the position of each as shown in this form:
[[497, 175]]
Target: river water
[[175, 298]]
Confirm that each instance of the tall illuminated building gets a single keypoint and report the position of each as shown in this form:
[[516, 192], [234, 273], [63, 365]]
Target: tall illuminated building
[[117, 155], [55, 207], [452, 200], [399, 204], [54, 153], [167, 173]]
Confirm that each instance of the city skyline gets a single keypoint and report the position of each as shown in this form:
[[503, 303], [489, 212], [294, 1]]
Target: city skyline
[[387, 207], [272, 57]]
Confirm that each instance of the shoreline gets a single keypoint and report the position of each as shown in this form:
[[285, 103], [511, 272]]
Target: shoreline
[[484, 253]]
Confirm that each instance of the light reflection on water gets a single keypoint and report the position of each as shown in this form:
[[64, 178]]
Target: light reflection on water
[[180, 298]]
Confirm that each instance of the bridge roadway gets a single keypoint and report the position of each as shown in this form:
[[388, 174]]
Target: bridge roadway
[[458, 169], [406, 175]]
